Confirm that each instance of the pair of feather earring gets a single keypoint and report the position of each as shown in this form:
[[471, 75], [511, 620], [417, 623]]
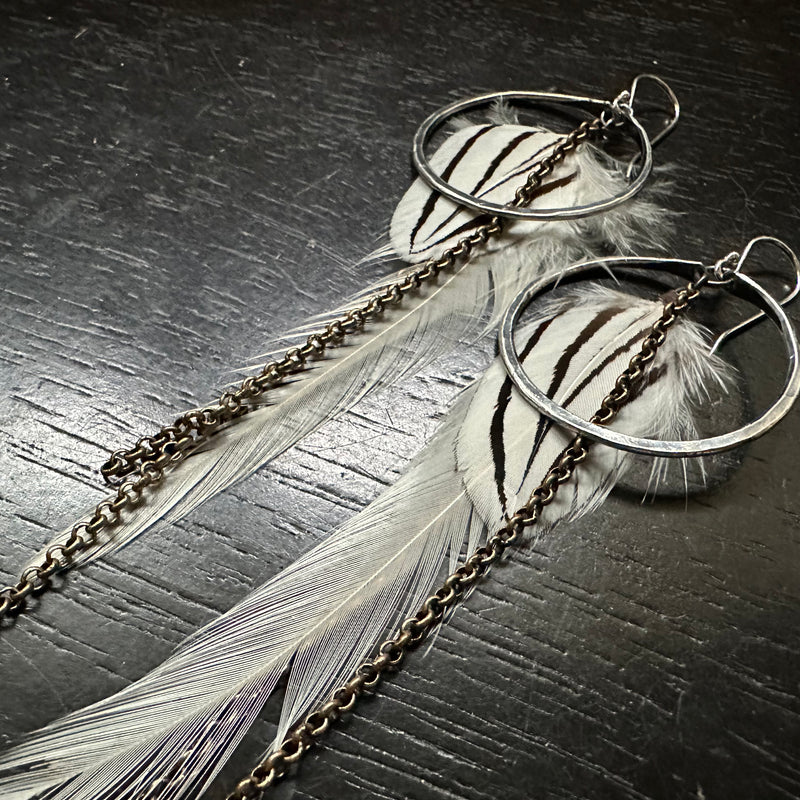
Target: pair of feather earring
[[166, 736]]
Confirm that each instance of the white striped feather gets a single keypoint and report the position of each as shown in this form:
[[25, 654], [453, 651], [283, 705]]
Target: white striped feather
[[407, 339], [166, 736], [487, 161], [574, 350]]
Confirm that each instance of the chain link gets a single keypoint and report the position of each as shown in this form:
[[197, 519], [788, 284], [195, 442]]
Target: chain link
[[414, 630], [131, 471]]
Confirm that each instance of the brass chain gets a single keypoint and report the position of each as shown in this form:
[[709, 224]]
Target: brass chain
[[414, 630], [147, 462]]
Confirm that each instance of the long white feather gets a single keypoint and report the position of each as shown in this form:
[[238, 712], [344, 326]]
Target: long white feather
[[490, 160], [166, 736], [315, 615]]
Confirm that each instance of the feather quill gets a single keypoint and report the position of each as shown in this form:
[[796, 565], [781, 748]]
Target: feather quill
[[166, 736], [489, 160]]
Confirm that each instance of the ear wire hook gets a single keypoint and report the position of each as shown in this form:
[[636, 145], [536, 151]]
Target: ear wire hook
[[668, 126], [722, 272]]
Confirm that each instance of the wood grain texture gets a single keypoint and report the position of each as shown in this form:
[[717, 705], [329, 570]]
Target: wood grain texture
[[181, 181]]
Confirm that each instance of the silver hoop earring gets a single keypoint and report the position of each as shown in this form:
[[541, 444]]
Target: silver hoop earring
[[724, 273], [617, 113]]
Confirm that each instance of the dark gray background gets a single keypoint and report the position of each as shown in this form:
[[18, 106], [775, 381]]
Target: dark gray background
[[180, 182]]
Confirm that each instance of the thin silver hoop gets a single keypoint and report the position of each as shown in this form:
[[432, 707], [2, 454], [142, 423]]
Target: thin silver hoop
[[634, 444], [618, 112]]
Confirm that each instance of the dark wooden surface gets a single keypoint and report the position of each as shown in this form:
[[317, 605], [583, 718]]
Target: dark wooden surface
[[179, 182]]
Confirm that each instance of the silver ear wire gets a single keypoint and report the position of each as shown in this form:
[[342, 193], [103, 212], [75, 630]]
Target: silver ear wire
[[793, 292], [671, 122]]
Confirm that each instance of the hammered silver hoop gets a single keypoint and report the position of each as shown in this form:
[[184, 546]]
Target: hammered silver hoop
[[593, 105], [671, 449]]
